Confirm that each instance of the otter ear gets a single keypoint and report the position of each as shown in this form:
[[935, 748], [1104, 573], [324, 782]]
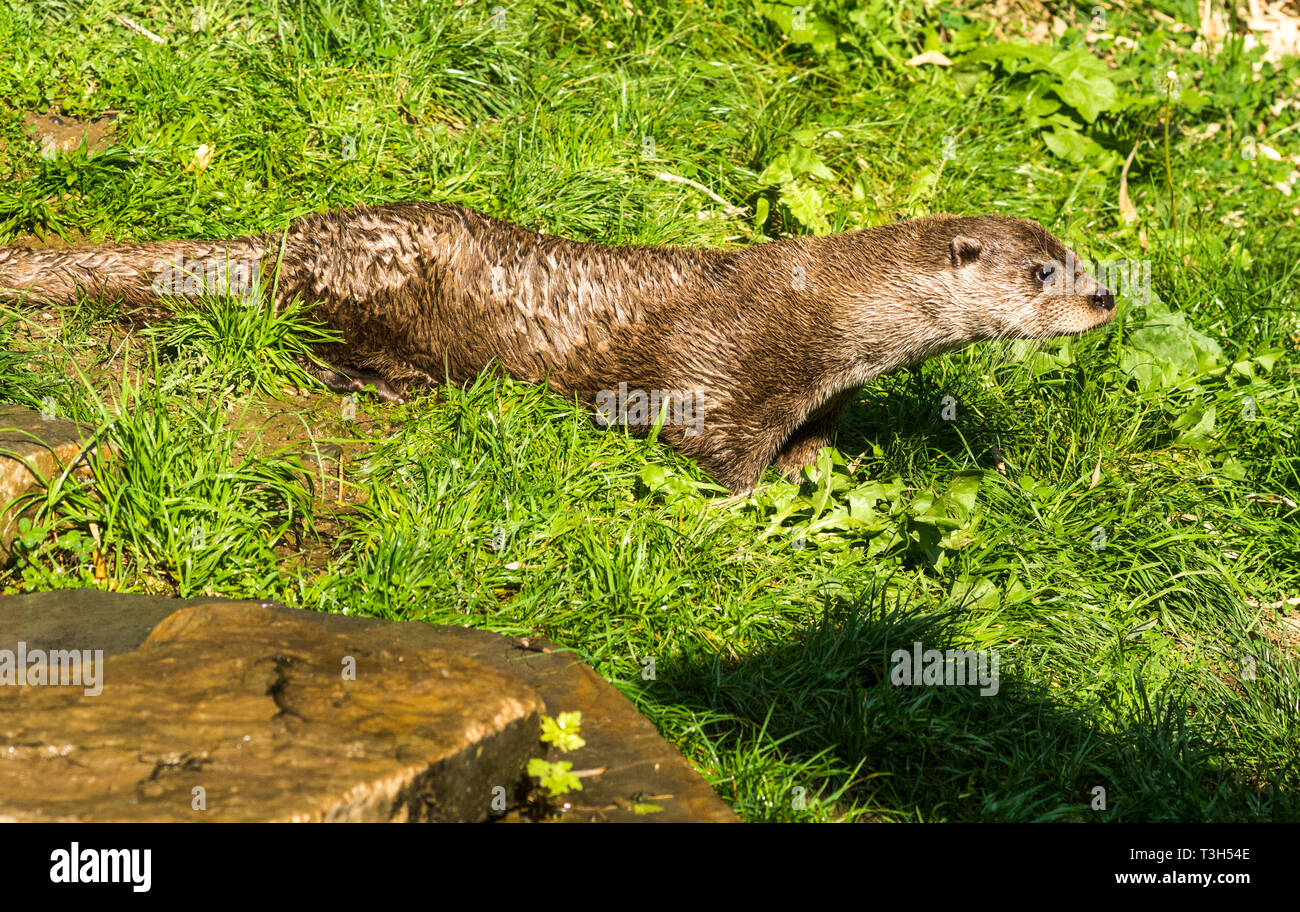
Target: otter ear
[[965, 250]]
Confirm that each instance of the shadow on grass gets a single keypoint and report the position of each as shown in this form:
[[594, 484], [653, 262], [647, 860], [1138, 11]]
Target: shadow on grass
[[934, 752], [913, 418]]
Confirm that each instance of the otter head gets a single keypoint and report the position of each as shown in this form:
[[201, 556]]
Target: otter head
[[1010, 279]]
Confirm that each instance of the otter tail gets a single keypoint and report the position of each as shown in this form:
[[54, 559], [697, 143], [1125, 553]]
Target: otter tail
[[139, 276]]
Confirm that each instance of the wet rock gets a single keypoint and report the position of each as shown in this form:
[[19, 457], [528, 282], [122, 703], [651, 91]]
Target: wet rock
[[181, 704], [636, 765], [231, 711], [33, 447]]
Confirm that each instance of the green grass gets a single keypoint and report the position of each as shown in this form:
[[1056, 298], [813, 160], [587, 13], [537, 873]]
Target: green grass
[[240, 346], [755, 635]]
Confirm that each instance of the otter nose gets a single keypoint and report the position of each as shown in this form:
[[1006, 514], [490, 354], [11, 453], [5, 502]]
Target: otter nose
[[1103, 299]]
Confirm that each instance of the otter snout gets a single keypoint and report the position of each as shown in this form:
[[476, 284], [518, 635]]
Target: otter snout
[[1102, 299]]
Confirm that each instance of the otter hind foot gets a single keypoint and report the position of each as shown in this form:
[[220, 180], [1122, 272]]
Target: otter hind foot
[[723, 502], [348, 380]]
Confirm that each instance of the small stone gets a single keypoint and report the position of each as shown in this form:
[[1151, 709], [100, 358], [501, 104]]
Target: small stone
[[32, 447]]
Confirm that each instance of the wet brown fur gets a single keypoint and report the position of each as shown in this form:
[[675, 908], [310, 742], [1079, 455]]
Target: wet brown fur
[[774, 339]]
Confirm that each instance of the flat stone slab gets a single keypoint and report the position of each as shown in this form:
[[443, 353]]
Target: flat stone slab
[[185, 682], [231, 711]]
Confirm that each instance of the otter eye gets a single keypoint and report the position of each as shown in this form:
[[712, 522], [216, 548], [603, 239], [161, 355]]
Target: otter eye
[[1045, 273]]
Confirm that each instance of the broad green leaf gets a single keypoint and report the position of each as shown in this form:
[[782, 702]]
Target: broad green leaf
[[1167, 351]]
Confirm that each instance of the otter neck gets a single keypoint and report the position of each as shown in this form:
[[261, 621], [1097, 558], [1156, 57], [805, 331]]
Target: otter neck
[[867, 305]]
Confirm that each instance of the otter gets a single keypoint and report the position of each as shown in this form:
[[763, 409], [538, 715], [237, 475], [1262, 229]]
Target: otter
[[741, 358]]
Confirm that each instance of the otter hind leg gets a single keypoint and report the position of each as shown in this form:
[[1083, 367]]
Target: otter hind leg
[[802, 447], [735, 452], [735, 457]]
